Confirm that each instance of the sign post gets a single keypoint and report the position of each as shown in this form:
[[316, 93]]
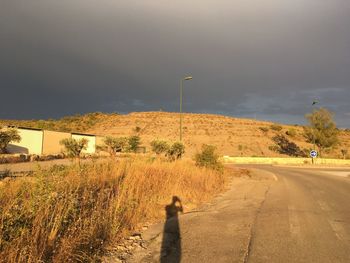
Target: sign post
[[313, 155]]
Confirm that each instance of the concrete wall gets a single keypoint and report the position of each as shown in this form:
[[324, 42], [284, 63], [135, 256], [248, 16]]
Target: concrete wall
[[298, 161], [42, 142], [51, 144], [91, 142], [31, 142], [100, 140]]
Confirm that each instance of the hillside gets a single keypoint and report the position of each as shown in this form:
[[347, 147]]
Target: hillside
[[75, 123], [232, 136]]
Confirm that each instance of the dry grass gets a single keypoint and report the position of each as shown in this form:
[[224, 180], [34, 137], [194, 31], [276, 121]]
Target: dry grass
[[70, 214]]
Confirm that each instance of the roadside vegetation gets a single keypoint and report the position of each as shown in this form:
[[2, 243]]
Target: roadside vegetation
[[160, 146], [323, 131], [6, 137], [114, 145], [73, 147], [284, 146], [209, 158], [72, 214]]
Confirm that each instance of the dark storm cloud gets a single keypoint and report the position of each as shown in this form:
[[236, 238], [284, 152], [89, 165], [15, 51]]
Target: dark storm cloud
[[267, 59]]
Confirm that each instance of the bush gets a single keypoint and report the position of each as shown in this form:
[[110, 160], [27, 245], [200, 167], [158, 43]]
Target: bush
[[208, 158], [74, 147], [175, 151], [159, 146], [291, 132], [287, 147], [264, 129], [274, 148], [134, 143], [276, 127], [8, 136], [115, 145]]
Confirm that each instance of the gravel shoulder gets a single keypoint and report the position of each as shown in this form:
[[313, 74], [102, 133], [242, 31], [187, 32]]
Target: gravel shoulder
[[217, 232]]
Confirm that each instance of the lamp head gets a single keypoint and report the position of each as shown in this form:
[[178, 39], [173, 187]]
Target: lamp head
[[188, 78]]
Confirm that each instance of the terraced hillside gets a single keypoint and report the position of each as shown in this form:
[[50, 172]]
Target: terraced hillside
[[232, 136]]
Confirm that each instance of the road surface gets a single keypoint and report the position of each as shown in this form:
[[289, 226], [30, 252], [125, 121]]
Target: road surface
[[291, 215]]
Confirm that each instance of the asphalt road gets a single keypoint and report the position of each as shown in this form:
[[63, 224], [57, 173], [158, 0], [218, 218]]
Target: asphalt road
[[303, 216]]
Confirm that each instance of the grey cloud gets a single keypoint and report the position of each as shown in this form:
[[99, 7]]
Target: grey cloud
[[270, 58]]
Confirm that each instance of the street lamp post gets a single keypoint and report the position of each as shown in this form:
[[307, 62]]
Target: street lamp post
[[181, 87], [313, 131]]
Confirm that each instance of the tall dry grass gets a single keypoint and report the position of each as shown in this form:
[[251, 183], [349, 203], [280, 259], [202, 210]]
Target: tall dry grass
[[70, 214]]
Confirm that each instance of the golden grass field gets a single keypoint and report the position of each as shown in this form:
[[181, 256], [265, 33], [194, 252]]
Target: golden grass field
[[232, 136], [73, 214]]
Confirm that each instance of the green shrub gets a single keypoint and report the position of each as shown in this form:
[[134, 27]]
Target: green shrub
[[208, 158], [291, 132], [159, 146], [74, 147], [276, 127], [175, 151]]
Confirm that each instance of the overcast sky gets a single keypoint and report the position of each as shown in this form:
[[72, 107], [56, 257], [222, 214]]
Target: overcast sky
[[267, 59]]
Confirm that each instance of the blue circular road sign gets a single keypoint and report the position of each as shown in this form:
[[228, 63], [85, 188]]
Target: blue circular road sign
[[313, 154]]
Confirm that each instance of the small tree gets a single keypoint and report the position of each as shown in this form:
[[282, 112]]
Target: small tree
[[175, 151], [208, 158], [159, 146], [8, 136], [134, 143], [74, 147], [115, 145], [322, 131]]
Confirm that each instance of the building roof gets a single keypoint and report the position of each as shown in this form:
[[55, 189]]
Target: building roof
[[23, 128], [36, 129], [82, 134]]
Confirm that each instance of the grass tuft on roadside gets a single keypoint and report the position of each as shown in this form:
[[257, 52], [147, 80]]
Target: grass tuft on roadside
[[71, 214]]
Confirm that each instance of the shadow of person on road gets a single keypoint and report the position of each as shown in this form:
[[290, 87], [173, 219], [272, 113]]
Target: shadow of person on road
[[171, 243]]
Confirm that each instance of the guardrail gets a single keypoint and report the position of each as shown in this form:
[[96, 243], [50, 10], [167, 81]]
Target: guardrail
[[281, 160]]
